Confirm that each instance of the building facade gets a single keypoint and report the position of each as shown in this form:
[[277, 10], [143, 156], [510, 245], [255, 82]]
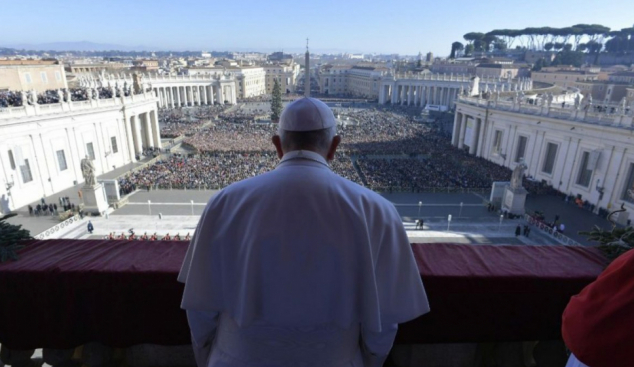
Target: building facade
[[17, 75], [442, 90], [285, 74], [358, 80], [177, 90], [42, 145], [578, 151], [563, 78], [250, 81]]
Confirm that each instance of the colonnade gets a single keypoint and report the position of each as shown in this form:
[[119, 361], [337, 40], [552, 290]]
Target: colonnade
[[468, 130], [193, 95], [420, 95], [142, 132]]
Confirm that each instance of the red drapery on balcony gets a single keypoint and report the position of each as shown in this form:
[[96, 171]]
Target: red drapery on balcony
[[64, 293]]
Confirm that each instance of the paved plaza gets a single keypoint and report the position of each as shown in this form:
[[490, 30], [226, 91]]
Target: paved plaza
[[178, 211]]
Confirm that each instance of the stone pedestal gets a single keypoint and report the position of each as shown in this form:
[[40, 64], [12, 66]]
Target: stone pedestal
[[514, 200], [497, 193], [95, 201]]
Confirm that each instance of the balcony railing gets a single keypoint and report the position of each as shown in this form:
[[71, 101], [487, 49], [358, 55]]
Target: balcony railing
[[107, 303], [615, 114], [47, 109]]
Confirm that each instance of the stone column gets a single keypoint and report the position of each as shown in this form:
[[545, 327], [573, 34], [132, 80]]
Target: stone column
[[149, 136], [211, 94], [136, 134], [156, 132], [456, 129], [394, 90], [205, 99], [410, 94], [129, 137], [476, 133], [481, 129], [463, 129]]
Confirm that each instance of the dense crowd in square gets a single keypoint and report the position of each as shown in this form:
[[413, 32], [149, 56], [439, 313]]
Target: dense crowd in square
[[382, 148]]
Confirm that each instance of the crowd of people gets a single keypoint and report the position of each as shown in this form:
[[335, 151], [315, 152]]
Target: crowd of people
[[17, 99], [383, 149], [187, 122]]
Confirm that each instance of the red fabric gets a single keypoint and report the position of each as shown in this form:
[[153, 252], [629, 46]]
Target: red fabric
[[64, 293], [497, 293], [598, 323]]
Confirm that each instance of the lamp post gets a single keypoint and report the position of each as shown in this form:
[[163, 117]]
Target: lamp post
[[460, 215], [192, 201], [448, 222], [420, 204], [500, 225], [149, 207]]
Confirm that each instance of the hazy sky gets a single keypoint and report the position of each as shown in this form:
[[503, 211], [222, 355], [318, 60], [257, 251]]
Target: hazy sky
[[404, 27]]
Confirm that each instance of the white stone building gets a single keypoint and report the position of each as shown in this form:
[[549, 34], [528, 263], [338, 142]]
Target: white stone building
[[285, 73], [575, 150], [250, 81], [178, 90], [41, 146], [442, 89], [357, 80]]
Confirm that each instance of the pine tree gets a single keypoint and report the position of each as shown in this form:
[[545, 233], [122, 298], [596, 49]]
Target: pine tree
[[613, 243], [276, 102], [10, 235]]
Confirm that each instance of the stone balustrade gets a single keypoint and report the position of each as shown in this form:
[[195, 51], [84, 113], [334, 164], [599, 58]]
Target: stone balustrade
[[614, 115], [53, 108]]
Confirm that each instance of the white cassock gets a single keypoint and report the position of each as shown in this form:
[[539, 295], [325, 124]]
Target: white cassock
[[299, 267]]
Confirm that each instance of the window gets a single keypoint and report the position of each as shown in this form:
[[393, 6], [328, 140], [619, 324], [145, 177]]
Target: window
[[61, 159], [27, 77], [628, 190], [58, 76], [44, 77], [25, 170], [113, 141], [90, 151], [521, 148], [497, 141], [584, 175], [549, 158], [11, 160]]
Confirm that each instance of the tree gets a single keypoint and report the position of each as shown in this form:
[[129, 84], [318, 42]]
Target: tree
[[549, 46], [612, 243], [455, 47], [539, 64], [468, 50], [499, 45], [276, 102], [567, 57], [10, 235]]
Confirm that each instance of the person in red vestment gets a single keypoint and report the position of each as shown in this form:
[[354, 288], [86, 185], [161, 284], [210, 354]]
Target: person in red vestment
[[598, 323]]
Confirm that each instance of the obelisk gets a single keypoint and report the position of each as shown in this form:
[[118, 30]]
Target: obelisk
[[307, 72]]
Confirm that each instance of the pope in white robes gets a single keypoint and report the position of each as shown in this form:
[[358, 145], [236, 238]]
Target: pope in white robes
[[299, 266]]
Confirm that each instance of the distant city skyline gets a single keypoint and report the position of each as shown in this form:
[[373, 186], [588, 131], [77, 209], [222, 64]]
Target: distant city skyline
[[333, 27]]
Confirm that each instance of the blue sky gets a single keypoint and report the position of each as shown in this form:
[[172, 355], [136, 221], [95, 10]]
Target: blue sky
[[404, 27]]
